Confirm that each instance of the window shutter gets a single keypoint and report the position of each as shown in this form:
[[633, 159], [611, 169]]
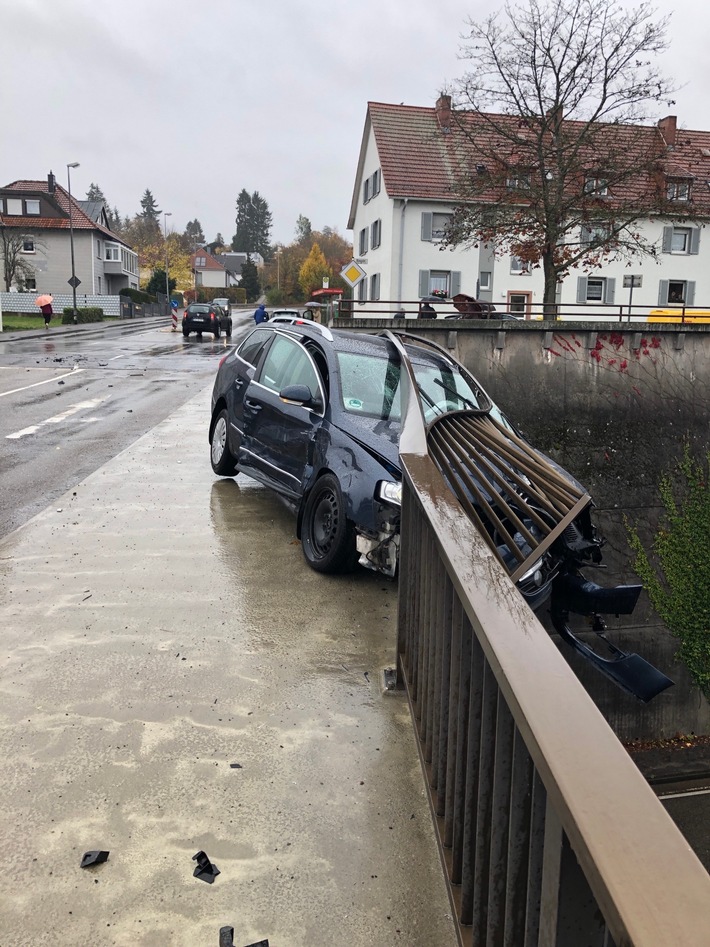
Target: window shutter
[[424, 281], [610, 290], [690, 293], [455, 282], [581, 289], [663, 292], [694, 240], [426, 226], [667, 239]]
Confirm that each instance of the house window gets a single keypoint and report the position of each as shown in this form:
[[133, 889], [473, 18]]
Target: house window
[[435, 226], [113, 253], [678, 190], [30, 284], [32, 207], [366, 190], [28, 244], [677, 292], [595, 186], [14, 206], [440, 224], [594, 234], [595, 289], [680, 240], [363, 241], [443, 283], [484, 280], [374, 286], [518, 181], [98, 249], [519, 303], [376, 234], [518, 266], [200, 260], [376, 179]]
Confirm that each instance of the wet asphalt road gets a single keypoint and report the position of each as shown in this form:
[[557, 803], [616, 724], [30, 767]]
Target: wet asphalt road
[[74, 397]]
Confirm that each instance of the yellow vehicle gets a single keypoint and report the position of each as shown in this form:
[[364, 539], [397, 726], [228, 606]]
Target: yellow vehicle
[[686, 317]]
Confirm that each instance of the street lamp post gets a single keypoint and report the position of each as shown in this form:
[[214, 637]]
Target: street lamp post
[[166, 214], [73, 281]]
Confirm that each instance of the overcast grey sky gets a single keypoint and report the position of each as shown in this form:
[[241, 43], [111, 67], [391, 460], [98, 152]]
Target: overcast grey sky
[[197, 100]]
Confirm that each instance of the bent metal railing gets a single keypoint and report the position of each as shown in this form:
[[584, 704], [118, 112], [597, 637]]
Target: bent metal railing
[[549, 834]]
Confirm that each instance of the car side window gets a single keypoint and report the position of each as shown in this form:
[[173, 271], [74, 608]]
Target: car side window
[[251, 347], [286, 363]]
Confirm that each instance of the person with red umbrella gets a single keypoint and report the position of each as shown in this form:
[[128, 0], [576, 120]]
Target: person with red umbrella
[[45, 305]]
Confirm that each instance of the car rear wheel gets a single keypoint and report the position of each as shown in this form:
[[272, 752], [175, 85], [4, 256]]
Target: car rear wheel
[[221, 458], [328, 539], [185, 332]]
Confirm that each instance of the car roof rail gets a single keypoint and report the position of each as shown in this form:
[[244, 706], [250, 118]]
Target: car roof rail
[[417, 338], [306, 323]]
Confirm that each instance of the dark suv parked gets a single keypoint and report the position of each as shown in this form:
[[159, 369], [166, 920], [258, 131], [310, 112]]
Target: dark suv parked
[[206, 317]]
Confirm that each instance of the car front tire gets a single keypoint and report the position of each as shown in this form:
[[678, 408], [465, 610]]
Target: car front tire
[[223, 462], [327, 538]]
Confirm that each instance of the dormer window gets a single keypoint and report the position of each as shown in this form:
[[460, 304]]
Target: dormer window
[[518, 181], [32, 207], [678, 190], [595, 186]]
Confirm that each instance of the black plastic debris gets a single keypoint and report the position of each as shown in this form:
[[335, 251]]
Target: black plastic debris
[[226, 937], [259, 943], [390, 675], [93, 858], [205, 870], [236, 766]]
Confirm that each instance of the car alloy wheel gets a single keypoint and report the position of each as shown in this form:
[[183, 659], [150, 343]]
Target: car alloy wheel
[[221, 458]]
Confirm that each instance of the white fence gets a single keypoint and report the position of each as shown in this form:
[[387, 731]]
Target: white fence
[[25, 302]]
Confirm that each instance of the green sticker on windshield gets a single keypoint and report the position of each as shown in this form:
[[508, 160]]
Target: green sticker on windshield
[[353, 403]]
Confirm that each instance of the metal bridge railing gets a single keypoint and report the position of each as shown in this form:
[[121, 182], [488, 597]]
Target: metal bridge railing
[[549, 834]]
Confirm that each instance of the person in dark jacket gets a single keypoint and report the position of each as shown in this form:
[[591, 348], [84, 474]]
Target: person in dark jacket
[[260, 314], [46, 311]]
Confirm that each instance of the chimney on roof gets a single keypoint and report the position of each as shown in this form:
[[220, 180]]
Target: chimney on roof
[[443, 113], [51, 183], [667, 126]]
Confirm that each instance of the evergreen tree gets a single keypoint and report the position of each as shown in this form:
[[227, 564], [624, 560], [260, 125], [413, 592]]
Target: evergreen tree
[[194, 234], [156, 284], [303, 229], [254, 222], [150, 211], [250, 280], [95, 194]]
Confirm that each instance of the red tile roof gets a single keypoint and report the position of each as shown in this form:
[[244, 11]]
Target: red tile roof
[[80, 220], [210, 262], [419, 156]]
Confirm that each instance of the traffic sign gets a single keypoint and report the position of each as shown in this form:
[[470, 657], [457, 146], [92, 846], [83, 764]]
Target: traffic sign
[[353, 273], [74, 282], [631, 281]]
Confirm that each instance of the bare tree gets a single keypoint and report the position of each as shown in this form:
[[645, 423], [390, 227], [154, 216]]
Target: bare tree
[[15, 266], [551, 160]]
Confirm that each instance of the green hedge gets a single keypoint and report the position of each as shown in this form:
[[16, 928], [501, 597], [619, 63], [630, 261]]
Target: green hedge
[[87, 314], [137, 295]]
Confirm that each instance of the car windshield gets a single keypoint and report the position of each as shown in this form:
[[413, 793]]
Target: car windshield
[[370, 386]]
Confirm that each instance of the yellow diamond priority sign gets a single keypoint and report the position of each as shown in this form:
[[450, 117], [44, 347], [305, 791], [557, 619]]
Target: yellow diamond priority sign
[[352, 273]]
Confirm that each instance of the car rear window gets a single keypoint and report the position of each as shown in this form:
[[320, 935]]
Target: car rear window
[[198, 307]]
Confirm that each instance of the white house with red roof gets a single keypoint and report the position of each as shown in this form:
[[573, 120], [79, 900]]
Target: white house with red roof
[[40, 212], [208, 271], [404, 196]]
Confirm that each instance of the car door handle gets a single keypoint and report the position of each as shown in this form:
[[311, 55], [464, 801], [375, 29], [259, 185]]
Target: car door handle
[[238, 382], [254, 405]]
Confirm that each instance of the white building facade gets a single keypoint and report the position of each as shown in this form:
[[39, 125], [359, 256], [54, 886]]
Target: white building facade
[[399, 213]]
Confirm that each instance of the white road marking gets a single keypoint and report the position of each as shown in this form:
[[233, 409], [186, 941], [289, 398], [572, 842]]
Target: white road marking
[[46, 381], [58, 418], [684, 795]]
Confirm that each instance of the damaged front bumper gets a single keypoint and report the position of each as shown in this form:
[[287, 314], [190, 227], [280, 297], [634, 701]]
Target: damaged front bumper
[[571, 592]]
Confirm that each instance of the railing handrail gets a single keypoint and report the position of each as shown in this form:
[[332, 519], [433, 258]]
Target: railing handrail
[[650, 887]]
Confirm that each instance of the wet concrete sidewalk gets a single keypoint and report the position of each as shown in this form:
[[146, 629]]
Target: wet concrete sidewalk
[[158, 625]]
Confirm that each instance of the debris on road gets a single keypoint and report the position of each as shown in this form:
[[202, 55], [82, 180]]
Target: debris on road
[[93, 858], [205, 870], [236, 766]]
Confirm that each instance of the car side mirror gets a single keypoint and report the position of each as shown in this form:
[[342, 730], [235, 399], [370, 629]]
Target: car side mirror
[[300, 394]]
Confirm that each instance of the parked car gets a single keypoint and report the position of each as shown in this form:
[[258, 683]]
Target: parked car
[[206, 317], [223, 304], [289, 315]]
